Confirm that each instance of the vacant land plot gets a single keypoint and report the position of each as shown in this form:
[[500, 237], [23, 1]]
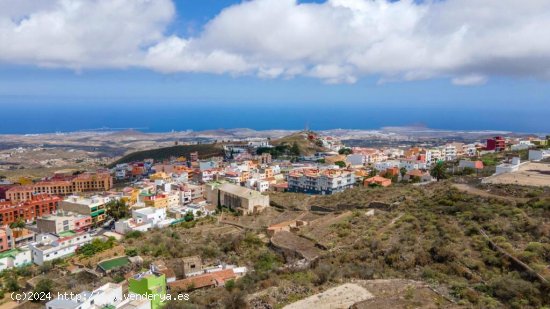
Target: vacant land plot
[[114, 263], [342, 296], [295, 245], [529, 174]]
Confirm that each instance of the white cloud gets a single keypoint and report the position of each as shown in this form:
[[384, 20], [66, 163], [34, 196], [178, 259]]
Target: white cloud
[[337, 41], [470, 80]]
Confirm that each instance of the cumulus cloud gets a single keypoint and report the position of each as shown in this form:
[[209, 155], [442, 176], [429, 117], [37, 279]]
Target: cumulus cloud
[[338, 41]]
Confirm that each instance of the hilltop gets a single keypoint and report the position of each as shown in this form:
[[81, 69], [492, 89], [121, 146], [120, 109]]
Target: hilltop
[[305, 140], [159, 154]]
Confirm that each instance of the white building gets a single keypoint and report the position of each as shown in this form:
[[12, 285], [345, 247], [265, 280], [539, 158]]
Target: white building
[[538, 155], [410, 165], [449, 152], [257, 184], [469, 150], [15, 258], [508, 167], [49, 247], [382, 166], [356, 159], [107, 296], [143, 220]]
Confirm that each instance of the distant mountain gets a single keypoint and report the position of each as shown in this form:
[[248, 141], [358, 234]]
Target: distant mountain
[[159, 154]]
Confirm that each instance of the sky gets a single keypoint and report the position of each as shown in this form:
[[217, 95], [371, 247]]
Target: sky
[[415, 59]]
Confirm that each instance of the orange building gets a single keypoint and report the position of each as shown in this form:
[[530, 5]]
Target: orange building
[[378, 180], [61, 184], [39, 205]]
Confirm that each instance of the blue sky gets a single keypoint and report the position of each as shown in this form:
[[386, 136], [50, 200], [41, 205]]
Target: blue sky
[[178, 61]]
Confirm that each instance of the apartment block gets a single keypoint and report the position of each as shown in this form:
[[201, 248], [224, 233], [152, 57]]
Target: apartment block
[[315, 181], [94, 206], [28, 210]]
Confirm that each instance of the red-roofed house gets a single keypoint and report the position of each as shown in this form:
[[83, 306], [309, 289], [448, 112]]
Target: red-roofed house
[[378, 180]]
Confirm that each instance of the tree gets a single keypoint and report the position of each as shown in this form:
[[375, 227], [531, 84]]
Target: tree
[[403, 172], [295, 149], [10, 283], [19, 223], [43, 286], [118, 209], [345, 151], [373, 172], [341, 164], [438, 171]]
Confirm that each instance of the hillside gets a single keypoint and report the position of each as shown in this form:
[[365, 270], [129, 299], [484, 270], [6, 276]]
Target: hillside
[[204, 150], [306, 146]]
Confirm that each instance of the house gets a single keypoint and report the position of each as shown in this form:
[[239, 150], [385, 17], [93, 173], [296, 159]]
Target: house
[[147, 284], [508, 167], [143, 219], [49, 247], [498, 143], [538, 155], [213, 279], [356, 159], [11, 238], [60, 222], [106, 296], [478, 165], [15, 258], [168, 272], [418, 175], [192, 265], [377, 180]]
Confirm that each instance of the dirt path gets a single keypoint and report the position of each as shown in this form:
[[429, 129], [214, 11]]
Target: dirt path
[[475, 191]]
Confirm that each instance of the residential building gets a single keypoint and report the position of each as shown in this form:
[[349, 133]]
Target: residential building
[[538, 155], [316, 181], [29, 209], [15, 258], [498, 143], [151, 284], [212, 279], [50, 247], [94, 206], [63, 183], [377, 180], [478, 165], [61, 222], [508, 167], [356, 159], [238, 198], [143, 219], [108, 296]]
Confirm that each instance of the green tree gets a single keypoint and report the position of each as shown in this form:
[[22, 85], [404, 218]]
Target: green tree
[[295, 149], [118, 209], [403, 172], [10, 283], [19, 223], [373, 172], [345, 151], [438, 171], [341, 164], [43, 286]]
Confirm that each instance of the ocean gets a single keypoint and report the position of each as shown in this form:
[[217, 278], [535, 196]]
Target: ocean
[[35, 118]]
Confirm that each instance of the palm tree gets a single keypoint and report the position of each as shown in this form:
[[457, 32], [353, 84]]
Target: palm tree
[[438, 171]]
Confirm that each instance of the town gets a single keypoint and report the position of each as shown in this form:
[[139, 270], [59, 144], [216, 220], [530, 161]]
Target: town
[[83, 221]]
